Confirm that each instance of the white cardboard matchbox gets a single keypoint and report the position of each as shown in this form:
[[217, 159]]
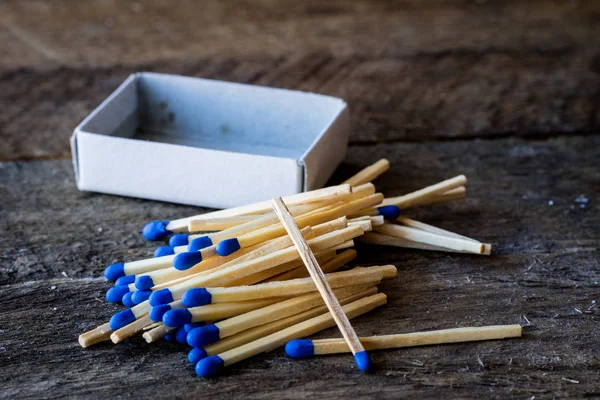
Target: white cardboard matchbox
[[208, 143]]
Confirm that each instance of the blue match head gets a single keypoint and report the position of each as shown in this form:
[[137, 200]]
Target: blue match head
[[389, 212], [300, 348], [228, 246], [127, 300], [163, 251], [196, 297], [204, 335], [363, 361], [125, 280], [209, 366], [156, 230], [189, 327], [157, 312], [162, 296], [176, 318], [181, 336], [114, 271], [144, 282], [170, 337], [196, 354], [116, 293], [187, 260], [121, 319], [140, 296], [179, 239], [200, 243]]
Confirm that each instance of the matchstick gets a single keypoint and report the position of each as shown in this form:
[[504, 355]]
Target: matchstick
[[157, 333], [386, 240], [208, 334], [432, 229], [200, 241], [187, 264], [261, 331], [361, 357], [211, 365], [215, 312], [300, 348], [369, 173], [421, 195], [357, 276], [417, 235], [118, 270], [328, 266], [218, 224], [128, 331], [158, 229], [97, 335], [231, 245], [225, 273]]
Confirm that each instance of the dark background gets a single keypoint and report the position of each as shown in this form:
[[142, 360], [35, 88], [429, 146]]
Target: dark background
[[506, 92]]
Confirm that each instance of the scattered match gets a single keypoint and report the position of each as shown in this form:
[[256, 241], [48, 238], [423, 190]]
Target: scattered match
[[238, 282]]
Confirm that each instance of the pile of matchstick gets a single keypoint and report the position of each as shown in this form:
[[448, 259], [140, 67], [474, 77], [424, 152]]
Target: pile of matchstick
[[242, 281]]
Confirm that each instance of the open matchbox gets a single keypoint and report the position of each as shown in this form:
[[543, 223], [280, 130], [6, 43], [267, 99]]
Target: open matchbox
[[208, 143]]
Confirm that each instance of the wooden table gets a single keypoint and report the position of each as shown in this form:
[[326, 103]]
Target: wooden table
[[506, 92]]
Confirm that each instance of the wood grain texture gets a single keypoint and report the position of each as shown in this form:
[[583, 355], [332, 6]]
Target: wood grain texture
[[506, 92], [544, 268], [410, 70]]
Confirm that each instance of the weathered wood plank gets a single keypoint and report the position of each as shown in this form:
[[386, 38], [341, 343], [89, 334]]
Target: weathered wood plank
[[391, 98], [110, 32], [544, 267]]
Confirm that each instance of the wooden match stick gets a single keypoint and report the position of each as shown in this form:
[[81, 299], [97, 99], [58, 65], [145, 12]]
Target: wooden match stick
[[361, 357], [432, 229], [261, 331], [157, 333], [386, 240], [228, 272], [180, 225], [356, 276], [219, 224], [231, 245], [417, 235], [326, 266], [211, 333], [215, 312], [369, 173], [97, 335], [128, 331], [421, 195], [306, 348], [211, 365]]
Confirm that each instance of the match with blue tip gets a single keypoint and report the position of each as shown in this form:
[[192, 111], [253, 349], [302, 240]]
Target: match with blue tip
[[181, 335], [228, 246], [179, 239], [200, 243], [209, 366], [162, 296], [196, 297], [157, 312], [140, 296], [389, 212], [300, 348], [196, 354], [203, 335], [144, 282], [176, 318], [114, 271], [187, 260], [163, 251], [189, 327], [127, 300], [116, 293], [121, 319], [363, 361], [125, 280], [156, 230]]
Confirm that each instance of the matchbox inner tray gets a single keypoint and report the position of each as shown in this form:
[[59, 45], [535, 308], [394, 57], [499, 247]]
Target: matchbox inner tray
[[208, 143]]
